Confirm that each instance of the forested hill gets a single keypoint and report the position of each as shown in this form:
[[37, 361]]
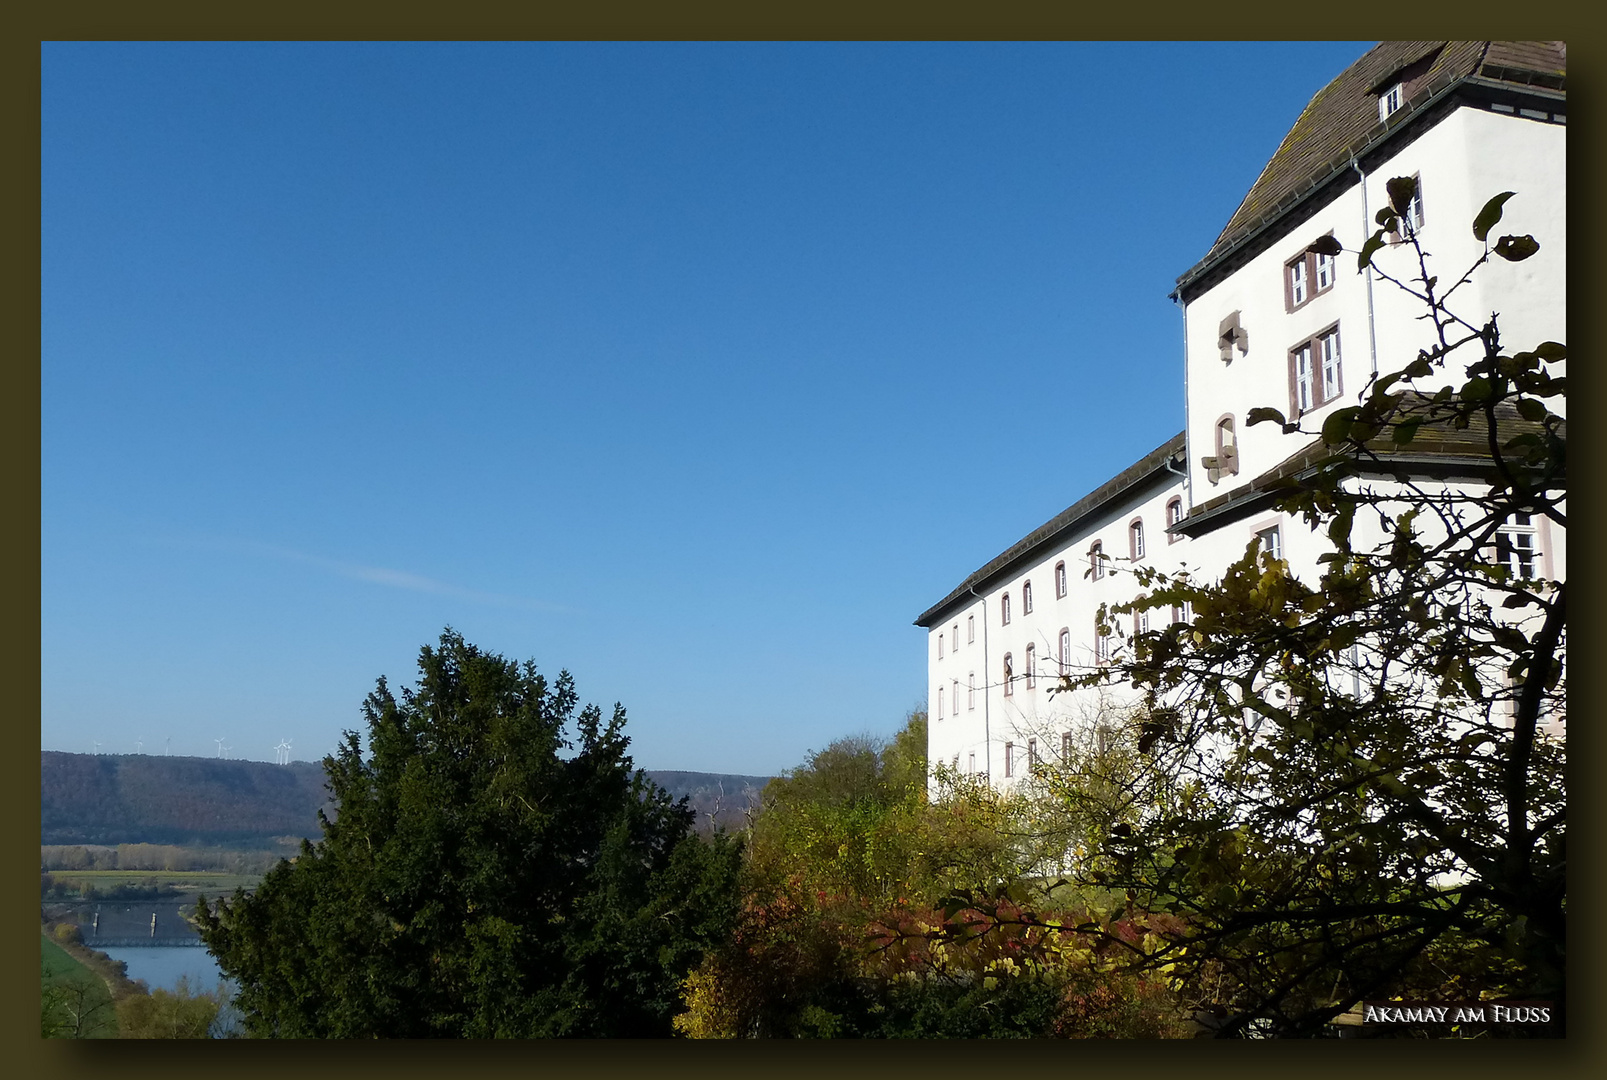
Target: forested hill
[[150, 799]]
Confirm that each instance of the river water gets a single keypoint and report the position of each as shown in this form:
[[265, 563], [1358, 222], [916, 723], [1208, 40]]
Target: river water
[[162, 965]]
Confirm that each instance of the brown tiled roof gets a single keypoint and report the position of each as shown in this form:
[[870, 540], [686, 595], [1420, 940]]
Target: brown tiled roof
[[1051, 530], [1342, 119], [1436, 448]]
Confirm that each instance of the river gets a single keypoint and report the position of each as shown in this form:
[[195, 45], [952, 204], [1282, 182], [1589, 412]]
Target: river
[[162, 965]]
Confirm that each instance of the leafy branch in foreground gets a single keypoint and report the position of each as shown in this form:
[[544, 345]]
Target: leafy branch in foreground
[[1363, 775]]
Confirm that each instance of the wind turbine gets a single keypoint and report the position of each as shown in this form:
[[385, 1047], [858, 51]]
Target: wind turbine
[[168, 751], [97, 746], [226, 750], [139, 744], [220, 746]]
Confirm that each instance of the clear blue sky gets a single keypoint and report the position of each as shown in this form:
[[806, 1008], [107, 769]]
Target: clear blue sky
[[697, 370]]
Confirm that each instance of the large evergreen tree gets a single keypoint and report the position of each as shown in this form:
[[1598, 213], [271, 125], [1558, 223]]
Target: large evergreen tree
[[496, 868]]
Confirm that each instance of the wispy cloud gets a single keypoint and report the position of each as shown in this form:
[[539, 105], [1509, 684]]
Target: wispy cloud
[[375, 575]]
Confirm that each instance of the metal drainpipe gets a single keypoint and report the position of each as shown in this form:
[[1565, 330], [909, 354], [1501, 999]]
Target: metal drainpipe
[[987, 728], [1366, 224], [1187, 487]]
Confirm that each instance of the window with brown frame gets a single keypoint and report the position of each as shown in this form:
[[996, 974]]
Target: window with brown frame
[[970, 629], [970, 691], [1065, 652], [1135, 538], [1032, 753], [1410, 223], [1315, 376], [940, 703], [1004, 609], [1065, 746], [1310, 275], [940, 646], [1174, 516], [1101, 644], [1026, 598], [1009, 676], [1060, 580], [1009, 758], [1096, 560], [1032, 666]]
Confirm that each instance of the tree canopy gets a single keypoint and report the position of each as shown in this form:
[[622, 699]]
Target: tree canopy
[[496, 868]]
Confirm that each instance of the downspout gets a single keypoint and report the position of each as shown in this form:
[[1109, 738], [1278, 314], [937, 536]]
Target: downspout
[[987, 671], [1177, 298], [1366, 224]]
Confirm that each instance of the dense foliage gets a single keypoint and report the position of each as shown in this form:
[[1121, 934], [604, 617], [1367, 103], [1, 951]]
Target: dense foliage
[[852, 926], [497, 869]]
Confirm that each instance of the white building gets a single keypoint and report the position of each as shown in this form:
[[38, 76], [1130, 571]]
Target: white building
[[1266, 323]]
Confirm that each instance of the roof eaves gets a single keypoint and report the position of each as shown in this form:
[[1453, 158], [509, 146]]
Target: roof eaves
[[1023, 550]]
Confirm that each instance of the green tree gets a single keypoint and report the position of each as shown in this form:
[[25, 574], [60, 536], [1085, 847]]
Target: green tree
[[180, 1013], [844, 930], [1353, 787], [496, 868]]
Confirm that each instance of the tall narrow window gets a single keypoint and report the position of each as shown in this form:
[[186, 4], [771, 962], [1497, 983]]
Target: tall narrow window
[[1026, 598], [1060, 580], [955, 697], [1065, 652], [970, 629], [1009, 758], [1101, 644], [1226, 461], [1065, 746], [1515, 548], [1032, 665], [1325, 272], [1096, 560], [1135, 538], [1009, 676], [956, 638], [940, 703], [1328, 342], [1305, 381], [1004, 609], [1140, 623], [1174, 516], [970, 764], [1299, 283], [970, 691], [940, 646], [1271, 541], [1032, 753]]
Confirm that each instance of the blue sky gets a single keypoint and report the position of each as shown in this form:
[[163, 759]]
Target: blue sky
[[698, 370]]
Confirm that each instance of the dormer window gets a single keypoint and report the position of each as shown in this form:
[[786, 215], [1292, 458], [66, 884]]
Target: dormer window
[[1391, 100]]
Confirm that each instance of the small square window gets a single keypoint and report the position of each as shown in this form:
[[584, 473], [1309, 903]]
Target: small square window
[[1391, 100]]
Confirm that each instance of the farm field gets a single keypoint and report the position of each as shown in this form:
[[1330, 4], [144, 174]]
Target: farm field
[[57, 967], [211, 882]]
